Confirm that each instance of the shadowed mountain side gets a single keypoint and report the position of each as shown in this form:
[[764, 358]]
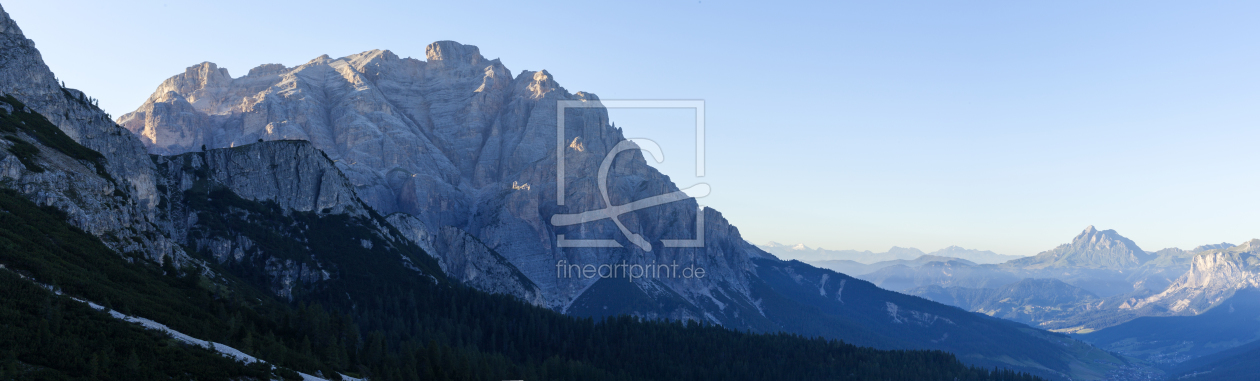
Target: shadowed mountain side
[[1169, 340]]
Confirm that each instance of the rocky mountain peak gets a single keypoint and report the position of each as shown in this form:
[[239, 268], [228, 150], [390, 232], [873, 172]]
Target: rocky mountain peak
[[540, 83], [7, 25], [267, 69], [1104, 239], [453, 52], [1215, 275], [1092, 248], [197, 77]]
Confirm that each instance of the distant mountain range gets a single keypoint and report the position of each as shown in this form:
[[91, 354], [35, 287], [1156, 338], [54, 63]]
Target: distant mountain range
[[811, 255], [1092, 249], [1180, 310], [857, 268]]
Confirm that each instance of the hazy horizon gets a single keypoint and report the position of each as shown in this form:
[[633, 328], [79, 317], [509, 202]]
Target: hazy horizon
[[990, 126]]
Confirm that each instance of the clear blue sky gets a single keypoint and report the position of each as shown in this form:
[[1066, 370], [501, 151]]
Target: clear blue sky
[[999, 125]]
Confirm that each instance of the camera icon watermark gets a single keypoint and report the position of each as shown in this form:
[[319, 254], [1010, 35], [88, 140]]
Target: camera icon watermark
[[611, 211]]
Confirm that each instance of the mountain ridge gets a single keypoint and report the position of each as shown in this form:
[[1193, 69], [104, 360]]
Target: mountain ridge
[[808, 254]]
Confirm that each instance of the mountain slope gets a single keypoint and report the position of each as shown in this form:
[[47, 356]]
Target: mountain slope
[[853, 268], [946, 274], [1169, 340], [128, 220], [806, 253], [856, 311], [1029, 301], [1234, 364]]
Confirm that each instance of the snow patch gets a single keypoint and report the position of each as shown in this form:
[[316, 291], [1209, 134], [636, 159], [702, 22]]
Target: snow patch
[[822, 284]]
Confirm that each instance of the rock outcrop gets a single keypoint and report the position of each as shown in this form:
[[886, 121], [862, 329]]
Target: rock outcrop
[[1214, 276], [127, 222], [292, 173]]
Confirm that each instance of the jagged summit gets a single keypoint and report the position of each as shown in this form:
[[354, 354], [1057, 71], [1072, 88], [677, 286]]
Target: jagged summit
[[1092, 248], [7, 25], [1104, 239], [451, 51], [1222, 245]]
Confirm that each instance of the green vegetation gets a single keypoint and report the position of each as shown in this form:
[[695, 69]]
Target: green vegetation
[[25, 152], [37, 242], [47, 134], [379, 319], [49, 337]]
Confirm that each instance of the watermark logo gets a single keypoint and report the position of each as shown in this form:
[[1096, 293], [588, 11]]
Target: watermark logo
[[630, 272], [611, 211]]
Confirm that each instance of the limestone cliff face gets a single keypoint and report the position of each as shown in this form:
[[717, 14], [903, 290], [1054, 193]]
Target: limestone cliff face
[[444, 140], [464, 257], [1214, 276], [293, 174], [118, 205]]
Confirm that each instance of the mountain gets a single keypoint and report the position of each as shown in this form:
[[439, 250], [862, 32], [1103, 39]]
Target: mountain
[[277, 249], [1214, 275], [449, 140], [977, 256], [811, 255], [1222, 245], [443, 147], [1029, 301], [855, 268], [842, 306], [1125, 282], [845, 266], [1093, 249], [1170, 340], [806, 253], [107, 183], [1234, 364], [287, 265], [953, 273], [371, 305]]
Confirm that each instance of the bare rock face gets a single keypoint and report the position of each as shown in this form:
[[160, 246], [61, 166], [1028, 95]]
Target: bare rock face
[[116, 203], [445, 140], [292, 173], [1214, 276], [464, 257]]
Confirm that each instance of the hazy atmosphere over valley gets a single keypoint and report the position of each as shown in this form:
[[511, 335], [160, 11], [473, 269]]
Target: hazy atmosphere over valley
[[657, 191]]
